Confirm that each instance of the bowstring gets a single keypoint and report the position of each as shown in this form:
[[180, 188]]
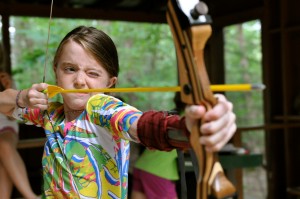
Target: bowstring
[[47, 43], [46, 57], [44, 79]]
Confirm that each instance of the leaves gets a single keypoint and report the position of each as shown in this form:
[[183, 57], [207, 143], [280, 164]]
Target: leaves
[[146, 55], [243, 65]]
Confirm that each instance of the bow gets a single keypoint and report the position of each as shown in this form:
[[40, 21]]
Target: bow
[[190, 27]]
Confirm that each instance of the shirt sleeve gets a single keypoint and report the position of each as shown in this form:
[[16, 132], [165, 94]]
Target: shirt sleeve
[[29, 116], [112, 114]]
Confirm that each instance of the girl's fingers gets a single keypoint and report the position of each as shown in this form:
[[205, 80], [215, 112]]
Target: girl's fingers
[[216, 141], [36, 98]]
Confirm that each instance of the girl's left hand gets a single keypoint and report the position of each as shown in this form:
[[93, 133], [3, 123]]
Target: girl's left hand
[[218, 123]]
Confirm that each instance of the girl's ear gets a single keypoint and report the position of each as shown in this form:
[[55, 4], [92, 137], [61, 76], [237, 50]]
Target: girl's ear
[[112, 82]]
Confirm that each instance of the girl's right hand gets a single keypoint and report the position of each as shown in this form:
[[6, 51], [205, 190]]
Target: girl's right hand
[[35, 97]]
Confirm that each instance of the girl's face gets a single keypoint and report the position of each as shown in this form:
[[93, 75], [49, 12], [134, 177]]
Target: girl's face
[[77, 69]]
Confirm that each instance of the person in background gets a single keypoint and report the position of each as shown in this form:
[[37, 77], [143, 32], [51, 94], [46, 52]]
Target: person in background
[[12, 168], [155, 175], [155, 172], [86, 154]]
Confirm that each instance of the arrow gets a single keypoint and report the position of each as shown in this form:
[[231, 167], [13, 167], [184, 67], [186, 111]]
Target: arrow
[[53, 90]]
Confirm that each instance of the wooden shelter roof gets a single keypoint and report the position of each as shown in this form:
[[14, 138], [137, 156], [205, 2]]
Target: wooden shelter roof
[[152, 11]]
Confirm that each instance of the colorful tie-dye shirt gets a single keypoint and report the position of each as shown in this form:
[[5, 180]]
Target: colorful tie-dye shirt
[[88, 157]]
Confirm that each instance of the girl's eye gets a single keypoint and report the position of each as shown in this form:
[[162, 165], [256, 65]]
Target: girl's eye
[[94, 74], [69, 69]]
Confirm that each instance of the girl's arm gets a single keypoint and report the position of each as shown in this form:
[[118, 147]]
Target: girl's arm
[[219, 126]]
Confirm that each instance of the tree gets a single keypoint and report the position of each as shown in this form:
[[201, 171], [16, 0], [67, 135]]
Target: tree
[[146, 55], [243, 65]]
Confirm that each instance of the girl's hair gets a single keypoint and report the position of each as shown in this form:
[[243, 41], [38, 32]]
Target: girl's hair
[[96, 42]]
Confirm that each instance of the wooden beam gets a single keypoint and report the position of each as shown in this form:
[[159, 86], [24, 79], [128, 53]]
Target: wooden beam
[[6, 43], [243, 16], [31, 143], [19, 9]]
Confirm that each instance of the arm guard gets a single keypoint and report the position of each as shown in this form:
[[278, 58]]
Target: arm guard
[[162, 131]]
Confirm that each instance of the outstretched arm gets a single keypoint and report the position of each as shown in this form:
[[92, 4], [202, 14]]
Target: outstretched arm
[[218, 126]]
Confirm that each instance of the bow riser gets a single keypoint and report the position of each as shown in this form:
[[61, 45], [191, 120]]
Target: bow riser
[[200, 35]]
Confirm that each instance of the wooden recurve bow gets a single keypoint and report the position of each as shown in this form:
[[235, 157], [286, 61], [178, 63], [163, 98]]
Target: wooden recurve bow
[[190, 27]]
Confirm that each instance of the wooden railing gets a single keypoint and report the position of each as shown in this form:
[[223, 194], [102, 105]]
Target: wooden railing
[[31, 143]]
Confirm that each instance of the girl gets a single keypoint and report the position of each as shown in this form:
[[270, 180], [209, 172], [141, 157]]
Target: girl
[[87, 150]]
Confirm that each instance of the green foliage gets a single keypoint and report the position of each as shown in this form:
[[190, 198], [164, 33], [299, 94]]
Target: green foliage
[[146, 55], [243, 65], [147, 58]]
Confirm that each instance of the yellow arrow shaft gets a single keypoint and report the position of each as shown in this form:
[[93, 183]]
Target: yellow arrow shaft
[[214, 88], [120, 90]]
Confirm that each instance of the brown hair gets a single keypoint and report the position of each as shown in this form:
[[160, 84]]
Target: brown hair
[[96, 42]]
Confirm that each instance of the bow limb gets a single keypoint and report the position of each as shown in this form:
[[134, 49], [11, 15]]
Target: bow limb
[[214, 181], [190, 36]]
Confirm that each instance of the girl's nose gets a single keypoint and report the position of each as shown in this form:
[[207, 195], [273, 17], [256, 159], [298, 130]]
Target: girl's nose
[[79, 80]]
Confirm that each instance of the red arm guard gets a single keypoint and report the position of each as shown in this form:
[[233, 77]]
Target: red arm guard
[[154, 130]]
